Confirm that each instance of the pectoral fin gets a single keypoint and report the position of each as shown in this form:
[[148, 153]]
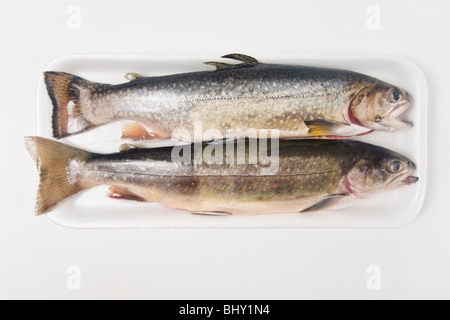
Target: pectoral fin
[[321, 127], [138, 131], [327, 203]]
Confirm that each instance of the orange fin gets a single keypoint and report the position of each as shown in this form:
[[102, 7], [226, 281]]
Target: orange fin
[[57, 180], [138, 131], [64, 90], [124, 194], [321, 127]]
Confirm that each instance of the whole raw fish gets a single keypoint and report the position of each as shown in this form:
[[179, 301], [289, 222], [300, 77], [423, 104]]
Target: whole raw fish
[[234, 101], [309, 175]]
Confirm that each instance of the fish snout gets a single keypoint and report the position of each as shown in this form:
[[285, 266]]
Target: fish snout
[[410, 178]]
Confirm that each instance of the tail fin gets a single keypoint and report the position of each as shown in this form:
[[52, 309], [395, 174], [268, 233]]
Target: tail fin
[[64, 90], [56, 181]]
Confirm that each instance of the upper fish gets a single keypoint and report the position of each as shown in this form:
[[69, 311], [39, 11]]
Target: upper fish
[[234, 101]]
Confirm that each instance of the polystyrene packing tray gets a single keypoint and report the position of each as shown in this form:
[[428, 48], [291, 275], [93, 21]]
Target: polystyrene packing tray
[[93, 209]]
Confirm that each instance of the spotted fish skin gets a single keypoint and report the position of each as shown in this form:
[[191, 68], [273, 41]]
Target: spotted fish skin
[[308, 172], [263, 96], [243, 97]]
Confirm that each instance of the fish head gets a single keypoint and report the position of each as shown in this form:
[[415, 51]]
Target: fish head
[[379, 106], [379, 170]]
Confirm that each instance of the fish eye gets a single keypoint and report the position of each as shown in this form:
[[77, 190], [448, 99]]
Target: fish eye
[[396, 95], [395, 166]]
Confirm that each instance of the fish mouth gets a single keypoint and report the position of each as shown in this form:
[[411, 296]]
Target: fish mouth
[[395, 124], [402, 180], [393, 119], [410, 180]]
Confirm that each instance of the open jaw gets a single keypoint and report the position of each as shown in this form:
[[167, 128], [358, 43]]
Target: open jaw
[[395, 124], [410, 180], [402, 180], [393, 120]]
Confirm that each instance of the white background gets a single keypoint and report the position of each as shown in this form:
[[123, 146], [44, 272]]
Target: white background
[[218, 263]]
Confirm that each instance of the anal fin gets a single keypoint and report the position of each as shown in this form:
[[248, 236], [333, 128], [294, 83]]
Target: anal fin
[[124, 194], [212, 213]]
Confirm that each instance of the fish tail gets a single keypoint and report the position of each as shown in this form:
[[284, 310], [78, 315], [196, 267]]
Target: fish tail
[[64, 90], [57, 180]]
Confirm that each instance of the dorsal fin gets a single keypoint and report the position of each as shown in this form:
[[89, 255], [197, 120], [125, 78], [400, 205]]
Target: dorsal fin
[[241, 57], [247, 61]]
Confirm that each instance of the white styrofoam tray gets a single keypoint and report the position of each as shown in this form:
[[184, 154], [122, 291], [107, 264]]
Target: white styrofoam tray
[[93, 209]]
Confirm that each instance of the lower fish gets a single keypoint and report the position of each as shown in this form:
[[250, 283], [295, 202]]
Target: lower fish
[[225, 177]]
